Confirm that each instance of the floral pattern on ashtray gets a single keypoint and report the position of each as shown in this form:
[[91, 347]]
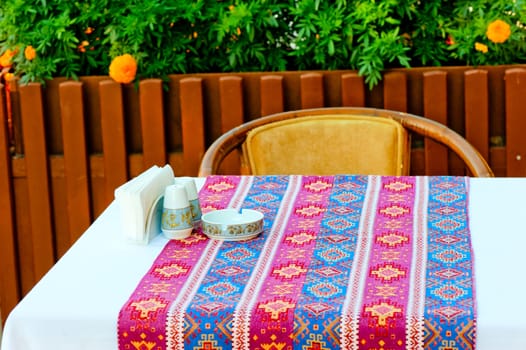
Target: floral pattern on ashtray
[[211, 230]]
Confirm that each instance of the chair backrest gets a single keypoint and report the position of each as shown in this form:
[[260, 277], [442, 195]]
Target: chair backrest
[[328, 144], [335, 140]]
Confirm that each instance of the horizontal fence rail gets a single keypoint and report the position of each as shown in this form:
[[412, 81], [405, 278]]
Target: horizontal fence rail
[[66, 145]]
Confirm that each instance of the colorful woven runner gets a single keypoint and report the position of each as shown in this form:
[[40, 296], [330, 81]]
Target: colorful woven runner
[[344, 262]]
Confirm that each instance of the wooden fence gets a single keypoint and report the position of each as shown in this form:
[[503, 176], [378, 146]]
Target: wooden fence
[[65, 146]]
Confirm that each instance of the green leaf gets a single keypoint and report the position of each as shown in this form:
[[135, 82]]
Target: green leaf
[[330, 48]]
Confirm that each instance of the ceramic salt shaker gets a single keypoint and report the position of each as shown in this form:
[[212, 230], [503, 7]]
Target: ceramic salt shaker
[[193, 197], [176, 220]]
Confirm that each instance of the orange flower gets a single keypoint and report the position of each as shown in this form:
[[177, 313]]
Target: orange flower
[[498, 31], [481, 47], [89, 30], [30, 53], [6, 58], [82, 46], [123, 69]]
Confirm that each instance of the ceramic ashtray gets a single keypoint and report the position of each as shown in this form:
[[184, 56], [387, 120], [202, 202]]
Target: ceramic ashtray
[[232, 225]]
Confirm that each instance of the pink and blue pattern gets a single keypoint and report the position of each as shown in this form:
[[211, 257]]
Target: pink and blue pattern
[[344, 262]]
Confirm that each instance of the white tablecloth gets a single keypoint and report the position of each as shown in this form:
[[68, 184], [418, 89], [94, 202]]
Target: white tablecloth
[[76, 305]]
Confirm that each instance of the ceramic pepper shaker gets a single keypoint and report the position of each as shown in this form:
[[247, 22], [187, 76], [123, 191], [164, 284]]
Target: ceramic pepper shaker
[[193, 197]]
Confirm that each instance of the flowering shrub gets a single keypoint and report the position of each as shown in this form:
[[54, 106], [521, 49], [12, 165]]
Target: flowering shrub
[[43, 39], [487, 32]]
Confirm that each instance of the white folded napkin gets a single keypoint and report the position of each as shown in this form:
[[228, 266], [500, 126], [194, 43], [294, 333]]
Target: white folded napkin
[[136, 199]]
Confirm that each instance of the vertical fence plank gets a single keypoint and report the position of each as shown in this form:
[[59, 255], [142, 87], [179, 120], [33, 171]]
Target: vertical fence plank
[[38, 181], [271, 94], [75, 158], [113, 136], [23, 234], [192, 123], [312, 90], [395, 91], [9, 289], [515, 87], [152, 123], [476, 110], [353, 90], [15, 111], [395, 98], [435, 107], [231, 102]]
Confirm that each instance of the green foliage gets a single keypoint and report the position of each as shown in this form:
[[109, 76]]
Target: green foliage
[[472, 22], [81, 37]]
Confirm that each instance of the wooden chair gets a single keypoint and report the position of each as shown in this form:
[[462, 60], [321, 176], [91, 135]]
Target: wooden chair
[[335, 141]]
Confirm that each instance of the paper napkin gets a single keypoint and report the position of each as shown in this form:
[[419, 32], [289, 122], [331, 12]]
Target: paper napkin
[[136, 199]]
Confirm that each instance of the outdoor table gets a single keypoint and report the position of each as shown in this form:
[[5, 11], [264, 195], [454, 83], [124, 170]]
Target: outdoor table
[[77, 304]]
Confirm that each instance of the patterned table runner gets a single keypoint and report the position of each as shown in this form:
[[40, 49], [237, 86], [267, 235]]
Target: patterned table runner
[[344, 262]]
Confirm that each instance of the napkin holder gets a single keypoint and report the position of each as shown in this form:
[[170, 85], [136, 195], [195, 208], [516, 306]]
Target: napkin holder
[[153, 222], [139, 201]]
